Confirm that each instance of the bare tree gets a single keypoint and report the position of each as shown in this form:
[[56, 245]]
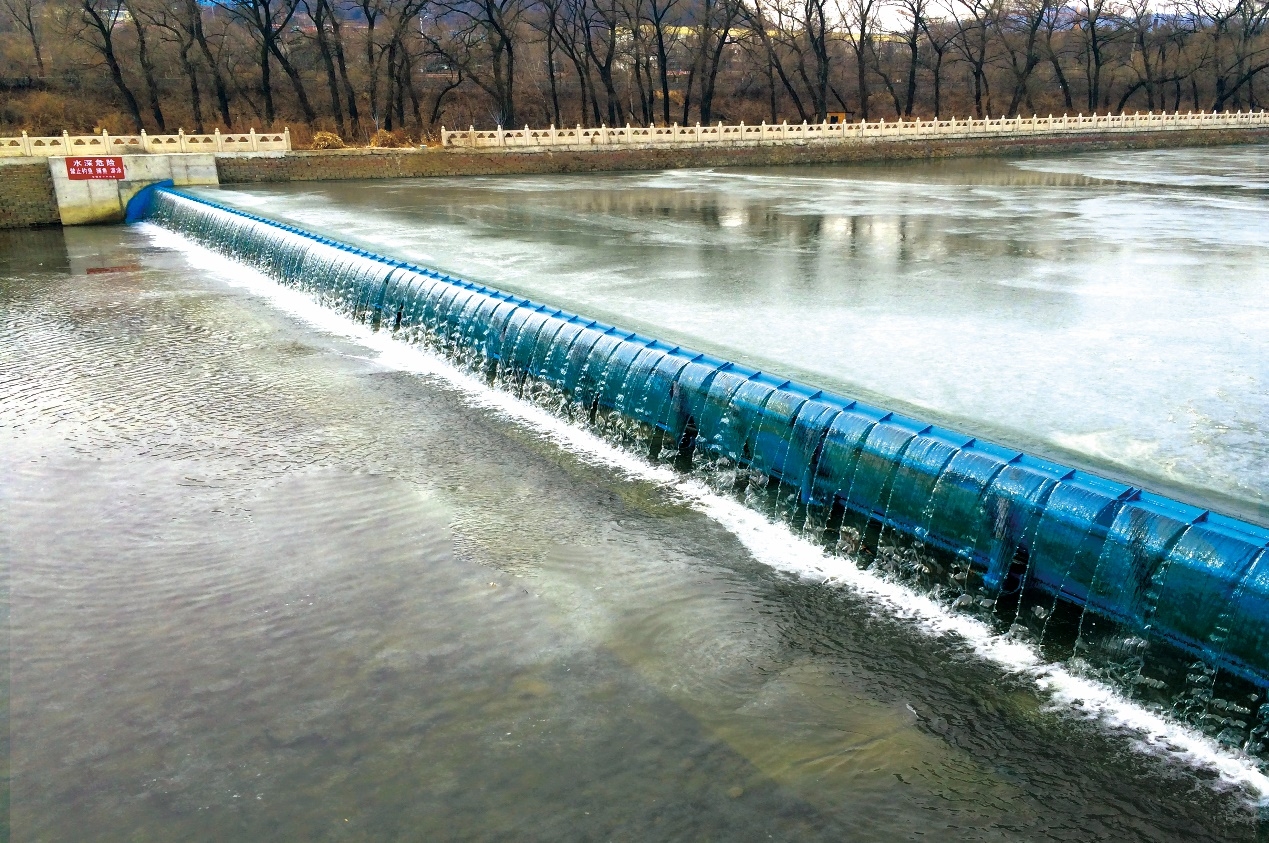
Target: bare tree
[[772, 22], [169, 20], [267, 22], [861, 23], [913, 15], [939, 35], [1096, 24], [482, 38], [147, 65], [1236, 30], [659, 14], [1020, 27], [600, 35], [24, 14], [93, 22], [976, 22], [328, 34]]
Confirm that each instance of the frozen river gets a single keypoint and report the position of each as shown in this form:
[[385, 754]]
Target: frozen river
[[1106, 310]]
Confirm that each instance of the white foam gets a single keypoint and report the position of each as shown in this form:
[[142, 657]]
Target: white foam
[[769, 542]]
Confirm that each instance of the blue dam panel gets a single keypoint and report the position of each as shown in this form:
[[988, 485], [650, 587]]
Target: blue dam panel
[[634, 398], [1071, 533], [957, 521], [875, 466], [1135, 556], [1193, 579], [840, 453]]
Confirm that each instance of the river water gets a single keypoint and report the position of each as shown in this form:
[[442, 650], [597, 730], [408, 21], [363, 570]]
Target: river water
[[272, 579], [1106, 310]]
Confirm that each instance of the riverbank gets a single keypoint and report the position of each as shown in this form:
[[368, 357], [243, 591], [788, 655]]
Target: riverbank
[[28, 198]]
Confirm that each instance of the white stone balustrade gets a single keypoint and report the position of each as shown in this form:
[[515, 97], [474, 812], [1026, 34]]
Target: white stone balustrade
[[107, 144], [864, 132]]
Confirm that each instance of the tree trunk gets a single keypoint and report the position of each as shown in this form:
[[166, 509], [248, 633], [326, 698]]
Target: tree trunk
[[106, 46], [194, 13], [914, 44], [195, 95], [317, 13], [266, 84], [147, 70]]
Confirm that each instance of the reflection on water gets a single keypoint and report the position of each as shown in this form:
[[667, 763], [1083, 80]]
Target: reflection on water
[[1101, 309], [264, 588]]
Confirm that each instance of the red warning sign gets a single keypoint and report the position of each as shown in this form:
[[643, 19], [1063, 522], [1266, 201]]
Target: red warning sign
[[108, 167]]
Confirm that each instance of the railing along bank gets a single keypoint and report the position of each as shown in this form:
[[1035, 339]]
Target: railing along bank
[[107, 144], [863, 132]]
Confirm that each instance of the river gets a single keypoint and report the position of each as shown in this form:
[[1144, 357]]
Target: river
[[273, 578]]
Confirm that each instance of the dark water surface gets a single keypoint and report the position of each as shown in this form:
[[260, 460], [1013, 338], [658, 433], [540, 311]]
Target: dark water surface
[[264, 587]]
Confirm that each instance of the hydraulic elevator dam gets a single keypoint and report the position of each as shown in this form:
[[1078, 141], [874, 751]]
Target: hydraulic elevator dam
[[1106, 571]]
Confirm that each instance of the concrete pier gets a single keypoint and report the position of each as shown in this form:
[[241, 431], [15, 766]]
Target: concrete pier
[[96, 189]]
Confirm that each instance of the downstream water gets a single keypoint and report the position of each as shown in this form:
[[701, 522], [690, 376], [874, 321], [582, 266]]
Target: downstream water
[[274, 578], [1105, 310]]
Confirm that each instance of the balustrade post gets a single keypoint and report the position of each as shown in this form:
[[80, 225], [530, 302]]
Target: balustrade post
[[251, 135], [66, 141], [26, 143], [286, 136], [220, 144]]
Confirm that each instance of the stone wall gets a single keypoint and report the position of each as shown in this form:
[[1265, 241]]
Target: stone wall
[[26, 194], [403, 163]]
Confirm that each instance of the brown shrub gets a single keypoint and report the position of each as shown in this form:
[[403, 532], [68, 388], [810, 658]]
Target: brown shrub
[[390, 140], [40, 113], [326, 140]]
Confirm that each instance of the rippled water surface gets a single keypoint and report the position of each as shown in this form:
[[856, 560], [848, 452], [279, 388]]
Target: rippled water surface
[[266, 586], [1104, 309]]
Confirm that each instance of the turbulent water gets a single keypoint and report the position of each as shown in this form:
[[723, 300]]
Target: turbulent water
[[276, 579]]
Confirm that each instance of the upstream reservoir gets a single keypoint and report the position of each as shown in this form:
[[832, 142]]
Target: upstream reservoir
[[277, 577], [1105, 309]]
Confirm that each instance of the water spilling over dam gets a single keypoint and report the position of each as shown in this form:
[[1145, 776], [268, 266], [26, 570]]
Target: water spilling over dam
[[1156, 594]]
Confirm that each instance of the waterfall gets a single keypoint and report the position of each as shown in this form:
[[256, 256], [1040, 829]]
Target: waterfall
[[1167, 599]]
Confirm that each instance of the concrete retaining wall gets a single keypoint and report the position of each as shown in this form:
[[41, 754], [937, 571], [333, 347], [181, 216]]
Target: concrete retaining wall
[[89, 201], [402, 163], [27, 196]]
